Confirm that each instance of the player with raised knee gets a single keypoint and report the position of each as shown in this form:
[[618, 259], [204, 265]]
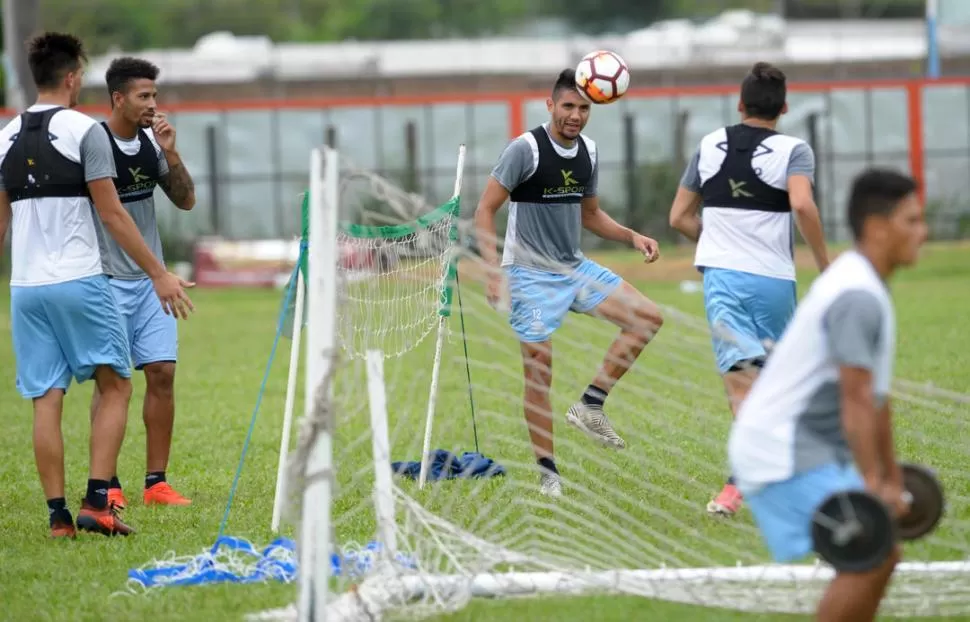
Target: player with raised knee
[[751, 182], [54, 164], [817, 420], [549, 175], [143, 143]]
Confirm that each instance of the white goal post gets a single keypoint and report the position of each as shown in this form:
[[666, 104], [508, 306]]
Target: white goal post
[[384, 376], [297, 331]]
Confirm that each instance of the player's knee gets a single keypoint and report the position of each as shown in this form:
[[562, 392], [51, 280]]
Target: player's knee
[[111, 384], [537, 358], [649, 319], [160, 378]]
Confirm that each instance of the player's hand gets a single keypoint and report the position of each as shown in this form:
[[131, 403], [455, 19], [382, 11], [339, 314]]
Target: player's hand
[[171, 291], [891, 492], [164, 132], [647, 246], [493, 289], [896, 498]]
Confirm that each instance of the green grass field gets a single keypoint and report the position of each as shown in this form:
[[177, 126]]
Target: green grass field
[[646, 501]]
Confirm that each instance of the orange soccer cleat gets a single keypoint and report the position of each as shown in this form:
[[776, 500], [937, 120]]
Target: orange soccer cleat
[[63, 529], [117, 499], [106, 521], [163, 494]]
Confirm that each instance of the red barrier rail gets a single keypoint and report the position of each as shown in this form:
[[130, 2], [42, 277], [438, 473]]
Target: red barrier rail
[[516, 102]]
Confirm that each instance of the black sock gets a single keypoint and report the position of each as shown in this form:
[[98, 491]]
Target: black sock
[[594, 396], [548, 464], [97, 496], [114, 483], [57, 511], [154, 477]]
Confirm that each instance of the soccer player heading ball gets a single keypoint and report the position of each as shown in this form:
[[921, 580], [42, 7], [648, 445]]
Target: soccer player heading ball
[[549, 175]]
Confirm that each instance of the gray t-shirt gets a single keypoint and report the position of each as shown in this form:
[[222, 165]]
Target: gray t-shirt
[[801, 161], [539, 235], [116, 261], [853, 328]]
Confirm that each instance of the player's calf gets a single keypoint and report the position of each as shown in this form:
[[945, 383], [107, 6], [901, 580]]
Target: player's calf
[[638, 319], [855, 596], [537, 368], [159, 415]]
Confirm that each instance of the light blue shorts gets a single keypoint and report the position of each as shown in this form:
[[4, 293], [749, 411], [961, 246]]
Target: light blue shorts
[[152, 334], [744, 310], [65, 331], [540, 300], [784, 511]]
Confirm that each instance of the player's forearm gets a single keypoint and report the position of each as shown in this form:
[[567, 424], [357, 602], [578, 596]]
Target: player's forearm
[[603, 225], [810, 226], [122, 228], [859, 422], [887, 449], [485, 236], [178, 184], [689, 225], [4, 227], [6, 215]]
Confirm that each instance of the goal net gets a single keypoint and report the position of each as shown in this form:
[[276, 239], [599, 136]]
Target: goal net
[[404, 356]]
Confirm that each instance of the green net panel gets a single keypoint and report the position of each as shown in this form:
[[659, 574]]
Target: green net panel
[[396, 279]]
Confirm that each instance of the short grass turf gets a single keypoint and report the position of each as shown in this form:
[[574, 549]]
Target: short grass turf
[[223, 352]]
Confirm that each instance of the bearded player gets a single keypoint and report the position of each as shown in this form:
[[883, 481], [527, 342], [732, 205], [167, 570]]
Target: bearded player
[[549, 175], [143, 144]]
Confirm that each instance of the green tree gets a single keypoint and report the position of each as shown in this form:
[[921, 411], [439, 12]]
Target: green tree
[[128, 25], [623, 15]]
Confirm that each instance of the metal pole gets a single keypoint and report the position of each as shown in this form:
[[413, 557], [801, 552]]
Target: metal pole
[[20, 20], [932, 40]]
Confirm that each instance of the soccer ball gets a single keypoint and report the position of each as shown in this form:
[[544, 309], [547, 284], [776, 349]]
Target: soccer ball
[[602, 77]]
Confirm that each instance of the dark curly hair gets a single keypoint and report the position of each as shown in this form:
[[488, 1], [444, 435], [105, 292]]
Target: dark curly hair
[[122, 71]]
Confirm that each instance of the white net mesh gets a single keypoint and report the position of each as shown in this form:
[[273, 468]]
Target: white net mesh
[[630, 522], [392, 268]]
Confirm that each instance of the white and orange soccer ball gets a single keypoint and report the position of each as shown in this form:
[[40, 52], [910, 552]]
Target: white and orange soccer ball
[[602, 77]]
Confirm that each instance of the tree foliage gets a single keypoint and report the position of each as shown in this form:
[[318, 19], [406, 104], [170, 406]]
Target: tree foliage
[[136, 25], [131, 25]]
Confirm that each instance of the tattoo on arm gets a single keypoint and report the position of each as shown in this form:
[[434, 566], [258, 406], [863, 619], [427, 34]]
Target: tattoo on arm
[[178, 185]]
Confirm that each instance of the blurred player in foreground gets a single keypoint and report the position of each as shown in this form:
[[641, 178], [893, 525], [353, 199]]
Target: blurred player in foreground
[[751, 181], [550, 175], [817, 421], [56, 162], [143, 143]]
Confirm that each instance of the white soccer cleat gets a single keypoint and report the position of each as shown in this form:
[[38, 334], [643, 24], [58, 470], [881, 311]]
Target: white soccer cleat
[[550, 485], [593, 422]]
